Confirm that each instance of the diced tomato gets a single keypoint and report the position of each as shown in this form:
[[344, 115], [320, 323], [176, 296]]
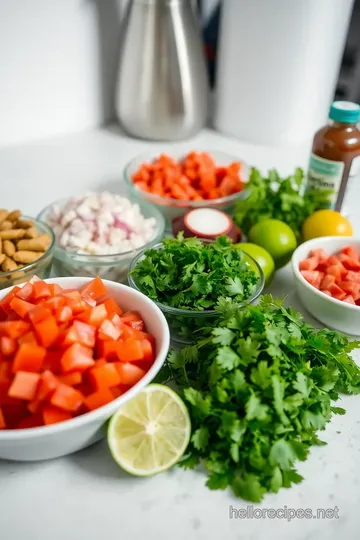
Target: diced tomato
[[112, 307], [63, 314], [98, 399], [107, 330], [40, 290], [54, 415], [95, 289], [29, 357], [336, 291], [349, 287], [21, 307], [74, 300], [320, 254], [14, 412], [97, 315], [2, 420], [47, 331], [328, 293], [35, 406], [77, 358], [55, 289], [351, 252], [129, 373], [47, 385], [39, 313], [313, 277], [8, 345], [24, 385], [29, 337], [147, 349], [133, 319], [349, 299], [104, 376], [127, 332], [52, 361], [327, 281], [25, 291], [82, 333], [352, 276], [71, 379], [14, 329], [33, 421], [107, 349], [119, 390], [67, 398], [5, 302], [337, 270], [309, 264], [348, 262], [130, 351]]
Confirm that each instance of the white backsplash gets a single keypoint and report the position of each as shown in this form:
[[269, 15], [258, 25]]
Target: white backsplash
[[57, 66]]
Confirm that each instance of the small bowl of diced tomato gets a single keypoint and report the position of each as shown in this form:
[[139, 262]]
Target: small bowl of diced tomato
[[177, 182], [327, 280], [72, 352]]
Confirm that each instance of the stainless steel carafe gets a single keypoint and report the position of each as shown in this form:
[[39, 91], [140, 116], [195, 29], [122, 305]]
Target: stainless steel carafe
[[162, 86]]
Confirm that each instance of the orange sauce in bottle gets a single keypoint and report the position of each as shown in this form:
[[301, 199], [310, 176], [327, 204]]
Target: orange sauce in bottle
[[335, 159]]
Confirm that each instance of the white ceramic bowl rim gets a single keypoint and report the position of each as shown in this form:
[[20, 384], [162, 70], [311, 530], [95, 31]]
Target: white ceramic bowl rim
[[156, 199], [69, 256], [29, 433], [310, 244]]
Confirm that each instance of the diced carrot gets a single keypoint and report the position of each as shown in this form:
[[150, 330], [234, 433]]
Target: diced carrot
[[95, 289], [47, 385], [130, 351], [54, 415], [77, 358], [130, 374], [8, 345], [24, 385], [29, 357], [104, 376], [67, 398], [98, 399]]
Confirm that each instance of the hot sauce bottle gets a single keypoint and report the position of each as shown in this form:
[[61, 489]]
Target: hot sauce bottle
[[335, 159]]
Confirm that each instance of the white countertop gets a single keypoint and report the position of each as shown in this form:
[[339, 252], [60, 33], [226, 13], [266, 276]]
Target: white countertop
[[86, 496]]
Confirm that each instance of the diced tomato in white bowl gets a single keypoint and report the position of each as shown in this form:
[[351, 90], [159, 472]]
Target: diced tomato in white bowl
[[327, 280]]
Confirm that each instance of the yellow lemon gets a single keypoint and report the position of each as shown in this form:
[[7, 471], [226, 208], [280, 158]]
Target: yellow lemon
[[326, 223]]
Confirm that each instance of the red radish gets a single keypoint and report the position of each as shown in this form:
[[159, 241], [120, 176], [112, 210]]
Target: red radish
[[207, 223]]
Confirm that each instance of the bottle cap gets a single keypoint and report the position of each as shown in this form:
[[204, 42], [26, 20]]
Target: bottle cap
[[345, 112]]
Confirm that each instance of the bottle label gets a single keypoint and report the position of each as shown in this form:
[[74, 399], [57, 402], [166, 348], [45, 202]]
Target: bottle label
[[351, 184], [324, 175]]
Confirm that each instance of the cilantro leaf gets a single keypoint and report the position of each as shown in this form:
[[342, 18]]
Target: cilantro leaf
[[200, 438]]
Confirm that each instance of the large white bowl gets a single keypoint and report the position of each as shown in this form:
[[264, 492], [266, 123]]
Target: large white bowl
[[60, 439], [331, 312]]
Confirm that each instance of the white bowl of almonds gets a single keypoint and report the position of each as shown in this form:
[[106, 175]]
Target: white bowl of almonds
[[26, 248]]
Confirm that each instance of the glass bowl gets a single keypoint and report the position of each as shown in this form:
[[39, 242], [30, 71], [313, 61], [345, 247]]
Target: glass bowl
[[186, 326], [172, 208], [113, 267], [41, 267]]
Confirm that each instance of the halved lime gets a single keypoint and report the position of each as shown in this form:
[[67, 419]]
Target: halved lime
[[150, 433]]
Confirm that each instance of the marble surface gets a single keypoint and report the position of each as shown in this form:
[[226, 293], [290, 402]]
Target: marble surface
[[85, 496]]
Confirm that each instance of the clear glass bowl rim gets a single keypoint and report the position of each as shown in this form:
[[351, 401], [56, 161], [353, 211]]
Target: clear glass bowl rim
[[30, 266], [72, 257], [156, 199], [193, 313]]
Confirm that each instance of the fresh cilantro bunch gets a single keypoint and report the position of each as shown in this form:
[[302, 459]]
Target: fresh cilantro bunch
[[190, 274], [258, 390], [273, 197]]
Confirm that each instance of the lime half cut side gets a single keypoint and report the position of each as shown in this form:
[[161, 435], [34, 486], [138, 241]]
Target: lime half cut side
[[151, 432]]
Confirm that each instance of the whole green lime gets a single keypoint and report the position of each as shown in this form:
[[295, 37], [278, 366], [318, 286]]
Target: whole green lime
[[276, 237], [262, 257]]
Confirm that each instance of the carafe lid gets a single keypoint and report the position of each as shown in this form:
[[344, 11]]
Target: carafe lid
[[345, 112]]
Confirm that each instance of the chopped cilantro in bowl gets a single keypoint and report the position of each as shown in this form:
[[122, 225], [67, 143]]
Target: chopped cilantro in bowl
[[186, 278]]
